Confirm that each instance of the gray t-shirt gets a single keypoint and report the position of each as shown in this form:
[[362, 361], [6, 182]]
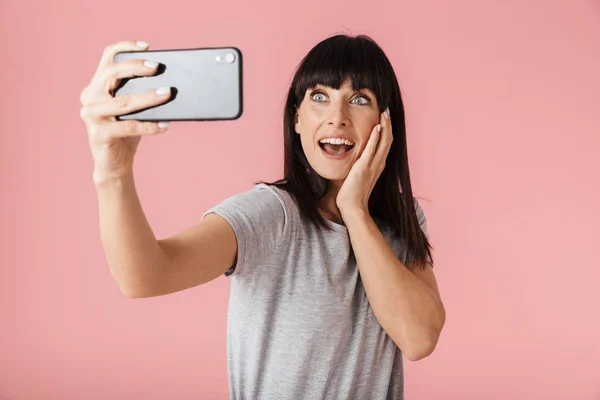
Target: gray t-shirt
[[299, 321]]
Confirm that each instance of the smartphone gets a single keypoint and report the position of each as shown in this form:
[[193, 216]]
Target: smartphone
[[206, 84]]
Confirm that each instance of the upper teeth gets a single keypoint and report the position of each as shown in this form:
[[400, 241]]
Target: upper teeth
[[336, 141]]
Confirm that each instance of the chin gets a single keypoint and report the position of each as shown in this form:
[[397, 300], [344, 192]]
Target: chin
[[332, 174]]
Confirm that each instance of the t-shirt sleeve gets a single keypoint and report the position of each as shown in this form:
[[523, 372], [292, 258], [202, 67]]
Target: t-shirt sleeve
[[258, 218], [423, 224]]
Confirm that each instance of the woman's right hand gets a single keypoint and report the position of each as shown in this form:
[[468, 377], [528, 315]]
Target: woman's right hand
[[114, 142]]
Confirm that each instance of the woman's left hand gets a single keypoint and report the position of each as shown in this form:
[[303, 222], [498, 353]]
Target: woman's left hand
[[356, 189]]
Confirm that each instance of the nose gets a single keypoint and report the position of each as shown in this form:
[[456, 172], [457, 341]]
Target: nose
[[338, 115]]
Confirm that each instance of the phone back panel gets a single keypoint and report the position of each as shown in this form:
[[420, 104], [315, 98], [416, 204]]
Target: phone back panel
[[204, 87]]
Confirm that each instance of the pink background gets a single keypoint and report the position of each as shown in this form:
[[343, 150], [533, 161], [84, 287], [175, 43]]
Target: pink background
[[503, 124]]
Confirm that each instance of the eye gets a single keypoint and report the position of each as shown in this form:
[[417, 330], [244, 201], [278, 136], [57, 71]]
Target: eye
[[320, 97], [316, 94], [366, 99]]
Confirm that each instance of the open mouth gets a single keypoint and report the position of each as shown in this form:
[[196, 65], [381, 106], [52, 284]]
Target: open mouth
[[335, 149]]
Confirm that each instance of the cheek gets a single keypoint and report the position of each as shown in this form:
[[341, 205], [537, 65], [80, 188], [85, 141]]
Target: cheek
[[366, 129], [309, 120], [307, 143]]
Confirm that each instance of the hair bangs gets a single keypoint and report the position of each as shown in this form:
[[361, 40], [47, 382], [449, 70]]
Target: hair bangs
[[332, 61]]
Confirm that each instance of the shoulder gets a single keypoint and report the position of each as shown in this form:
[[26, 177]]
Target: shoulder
[[421, 217], [273, 193], [259, 205], [418, 207], [270, 192], [261, 194]]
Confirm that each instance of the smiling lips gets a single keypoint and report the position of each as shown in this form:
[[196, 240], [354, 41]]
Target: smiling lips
[[337, 140], [335, 149], [335, 145]]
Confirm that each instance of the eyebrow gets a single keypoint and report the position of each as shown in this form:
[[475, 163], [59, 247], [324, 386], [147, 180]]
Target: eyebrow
[[321, 86]]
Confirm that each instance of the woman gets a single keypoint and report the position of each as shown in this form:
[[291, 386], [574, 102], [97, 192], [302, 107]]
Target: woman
[[331, 266]]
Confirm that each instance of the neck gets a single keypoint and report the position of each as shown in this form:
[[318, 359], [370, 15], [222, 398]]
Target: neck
[[327, 205]]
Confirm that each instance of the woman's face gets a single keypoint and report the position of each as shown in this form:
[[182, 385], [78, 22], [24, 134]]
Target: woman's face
[[329, 113]]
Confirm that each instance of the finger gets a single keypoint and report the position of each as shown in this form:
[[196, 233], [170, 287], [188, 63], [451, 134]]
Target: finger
[[107, 80], [131, 127], [369, 151], [111, 50], [113, 73], [385, 141], [121, 105]]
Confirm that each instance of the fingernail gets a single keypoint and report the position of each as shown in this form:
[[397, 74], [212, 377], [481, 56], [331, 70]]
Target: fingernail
[[163, 90], [150, 64], [164, 125], [386, 114], [142, 44], [378, 128]]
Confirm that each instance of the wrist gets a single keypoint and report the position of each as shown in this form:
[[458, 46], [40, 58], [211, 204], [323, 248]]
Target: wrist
[[353, 213], [104, 178]]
